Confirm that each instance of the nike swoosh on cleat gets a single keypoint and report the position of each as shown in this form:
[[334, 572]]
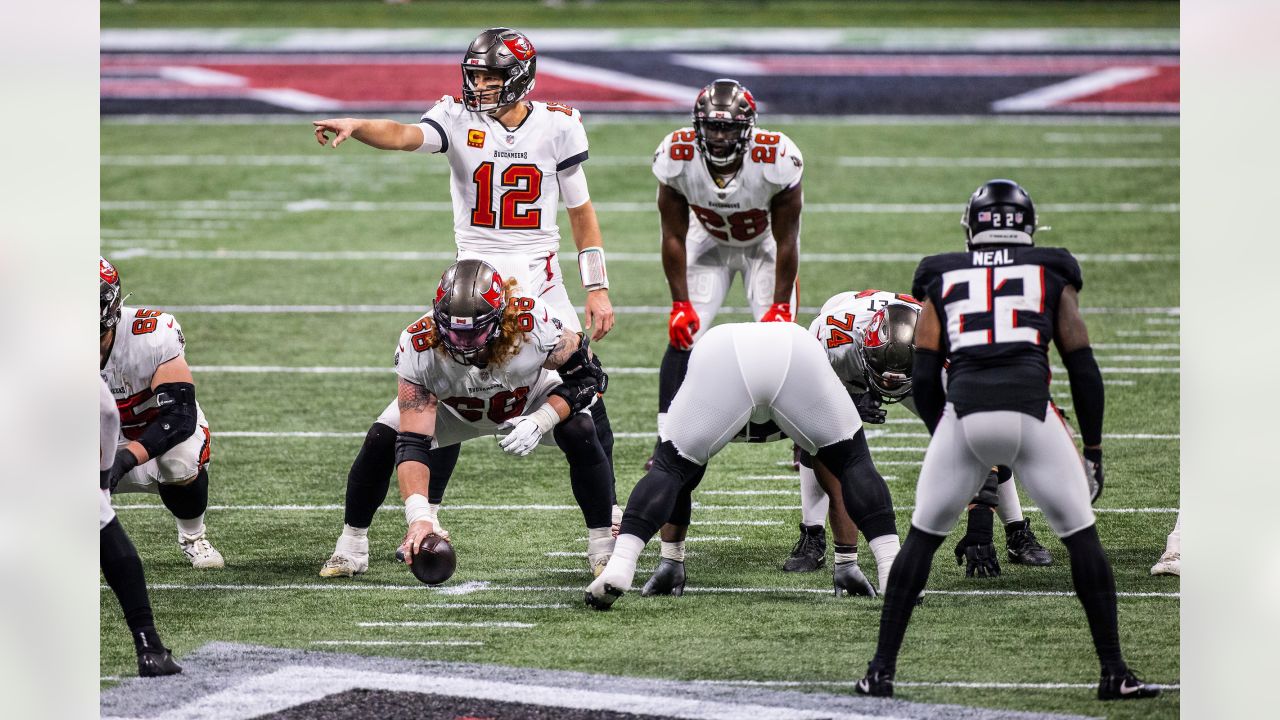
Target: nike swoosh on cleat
[[1129, 689]]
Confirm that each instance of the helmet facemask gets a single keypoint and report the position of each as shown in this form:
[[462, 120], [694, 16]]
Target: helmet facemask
[[724, 116], [468, 311], [888, 351], [109, 297]]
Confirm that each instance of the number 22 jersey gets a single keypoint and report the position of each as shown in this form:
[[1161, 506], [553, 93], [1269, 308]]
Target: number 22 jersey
[[998, 307]]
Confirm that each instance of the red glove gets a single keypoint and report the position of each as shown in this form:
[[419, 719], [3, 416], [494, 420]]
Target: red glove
[[777, 312], [684, 324]]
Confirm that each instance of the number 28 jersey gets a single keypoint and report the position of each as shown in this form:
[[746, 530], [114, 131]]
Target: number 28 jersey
[[504, 182], [484, 397], [736, 215], [998, 306], [839, 328]]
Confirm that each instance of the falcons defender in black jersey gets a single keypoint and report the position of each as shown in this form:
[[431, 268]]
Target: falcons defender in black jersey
[[990, 313]]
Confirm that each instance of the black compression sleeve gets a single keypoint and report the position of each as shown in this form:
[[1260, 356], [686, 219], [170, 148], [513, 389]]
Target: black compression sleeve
[[926, 387], [1087, 394], [176, 421], [413, 446]]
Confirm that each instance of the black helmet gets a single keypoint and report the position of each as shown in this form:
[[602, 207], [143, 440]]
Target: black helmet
[[888, 349], [723, 117], [468, 309], [507, 53], [999, 213], [109, 298]]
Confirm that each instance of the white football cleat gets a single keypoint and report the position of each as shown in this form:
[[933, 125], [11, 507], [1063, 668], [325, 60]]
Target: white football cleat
[[350, 557], [1170, 563], [199, 551]]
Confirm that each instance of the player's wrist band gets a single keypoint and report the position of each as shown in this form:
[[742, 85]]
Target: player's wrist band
[[545, 417], [416, 508], [591, 269]]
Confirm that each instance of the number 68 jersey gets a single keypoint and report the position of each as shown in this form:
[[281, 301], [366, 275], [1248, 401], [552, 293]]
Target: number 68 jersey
[[998, 306], [839, 327], [736, 215]]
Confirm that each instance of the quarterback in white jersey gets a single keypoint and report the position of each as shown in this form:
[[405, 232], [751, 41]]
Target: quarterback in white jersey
[[729, 197], [163, 444]]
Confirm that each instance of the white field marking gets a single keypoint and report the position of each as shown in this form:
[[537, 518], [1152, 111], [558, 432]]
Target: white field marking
[[202, 77], [618, 309], [1141, 358], [395, 643], [1132, 370], [1118, 138], [399, 206], [1148, 333], [448, 623], [313, 434], [1136, 346], [1163, 321], [1109, 381], [566, 508], [792, 476], [294, 685], [488, 605], [419, 587], [354, 370], [676, 94], [1054, 95], [109, 678], [1007, 162], [964, 684], [749, 492]]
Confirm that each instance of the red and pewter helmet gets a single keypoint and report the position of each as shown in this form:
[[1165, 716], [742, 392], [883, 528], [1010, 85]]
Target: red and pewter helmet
[[999, 213], [507, 53], [888, 349], [468, 310], [723, 117], [109, 298]]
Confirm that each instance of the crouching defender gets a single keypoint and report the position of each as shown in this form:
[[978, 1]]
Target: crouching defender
[[484, 362], [751, 373], [990, 313]]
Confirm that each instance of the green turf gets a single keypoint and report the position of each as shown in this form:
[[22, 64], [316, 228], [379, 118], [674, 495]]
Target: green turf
[[767, 636], [631, 14]]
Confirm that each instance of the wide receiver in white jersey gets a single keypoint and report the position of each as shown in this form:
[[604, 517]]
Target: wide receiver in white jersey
[[484, 361], [729, 197], [510, 161], [163, 444], [863, 336]]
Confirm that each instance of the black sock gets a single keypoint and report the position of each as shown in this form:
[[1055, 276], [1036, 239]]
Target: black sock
[[189, 501], [370, 475], [1096, 588], [440, 461], [675, 364], [906, 580], [122, 569]]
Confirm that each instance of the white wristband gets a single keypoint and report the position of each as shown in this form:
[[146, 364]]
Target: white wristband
[[545, 417], [417, 507], [592, 270]]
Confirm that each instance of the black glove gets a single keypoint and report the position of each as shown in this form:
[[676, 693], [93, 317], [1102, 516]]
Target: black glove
[[124, 462], [1093, 472], [980, 560], [868, 404]]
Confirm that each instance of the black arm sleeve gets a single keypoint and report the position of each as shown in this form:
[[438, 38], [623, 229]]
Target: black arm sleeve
[[583, 378], [176, 421], [926, 387], [1087, 394], [413, 446]]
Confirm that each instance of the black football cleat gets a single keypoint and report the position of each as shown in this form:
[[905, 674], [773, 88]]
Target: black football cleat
[[876, 683], [849, 580], [810, 551], [667, 579], [1023, 546], [157, 662], [1124, 686], [979, 560]]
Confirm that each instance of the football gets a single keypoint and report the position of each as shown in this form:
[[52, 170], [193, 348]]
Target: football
[[435, 561]]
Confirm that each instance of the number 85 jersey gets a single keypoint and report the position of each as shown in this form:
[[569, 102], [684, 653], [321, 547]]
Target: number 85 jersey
[[998, 306], [736, 215]]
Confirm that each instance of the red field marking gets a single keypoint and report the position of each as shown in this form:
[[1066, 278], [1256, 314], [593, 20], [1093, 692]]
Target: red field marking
[[1162, 88]]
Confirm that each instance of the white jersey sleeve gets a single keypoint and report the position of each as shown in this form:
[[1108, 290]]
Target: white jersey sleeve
[[672, 158], [435, 127], [414, 357], [108, 425], [571, 138], [787, 164], [162, 340]]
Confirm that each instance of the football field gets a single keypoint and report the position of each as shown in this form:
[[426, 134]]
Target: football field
[[293, 268]]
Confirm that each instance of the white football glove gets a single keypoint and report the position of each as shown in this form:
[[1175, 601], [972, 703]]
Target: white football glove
[[523, 434]]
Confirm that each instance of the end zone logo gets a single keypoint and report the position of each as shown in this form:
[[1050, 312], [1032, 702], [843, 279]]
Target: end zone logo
[[475, 138], [520, 47]]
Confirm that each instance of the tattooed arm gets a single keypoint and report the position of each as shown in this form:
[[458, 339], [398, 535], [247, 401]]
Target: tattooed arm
[[417, 415], [567, 346]]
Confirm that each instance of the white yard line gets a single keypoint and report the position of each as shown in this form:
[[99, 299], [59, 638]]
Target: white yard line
[[661, 310], [1136, 346], [380, 370], [395, 643], [448, 623], [488, 606], [1007, 162], [963, 684], [1147, 333], [1116, 138], [749, 492], [565, 508]]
